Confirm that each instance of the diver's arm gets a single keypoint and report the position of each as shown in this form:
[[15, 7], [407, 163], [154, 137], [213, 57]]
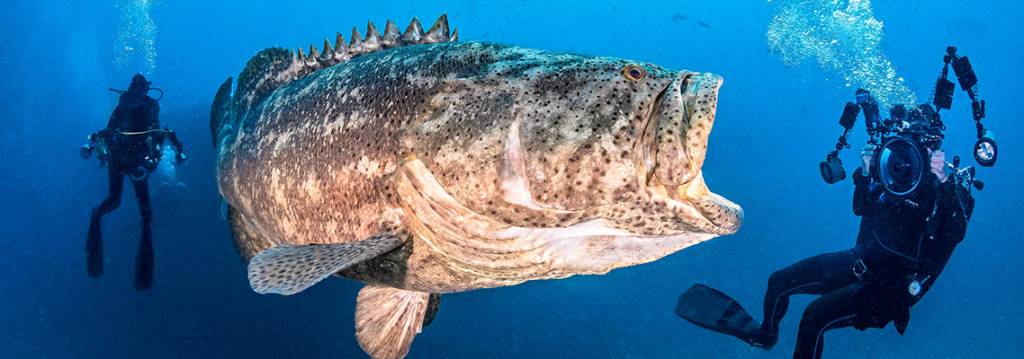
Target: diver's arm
[[154, 114], [173, 137], [113, 123], [863, 201], [179, 148], [116, 118], [955, 206]]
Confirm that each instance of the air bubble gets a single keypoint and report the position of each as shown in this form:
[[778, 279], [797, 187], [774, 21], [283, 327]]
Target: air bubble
[[846, 40]]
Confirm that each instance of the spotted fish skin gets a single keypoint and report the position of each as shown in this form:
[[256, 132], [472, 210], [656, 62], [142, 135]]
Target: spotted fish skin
[[505, 164]]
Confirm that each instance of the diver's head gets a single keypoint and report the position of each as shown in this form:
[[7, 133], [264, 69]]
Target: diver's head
[[139, 85], [922, 124]]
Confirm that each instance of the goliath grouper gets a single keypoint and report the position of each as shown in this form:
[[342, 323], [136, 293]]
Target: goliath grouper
[[420, 166]]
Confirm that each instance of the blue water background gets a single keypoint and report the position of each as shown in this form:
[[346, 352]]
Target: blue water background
[[774, 124]]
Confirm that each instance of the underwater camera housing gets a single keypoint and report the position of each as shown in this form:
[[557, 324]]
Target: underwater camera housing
[[902, 157], [904, 139]]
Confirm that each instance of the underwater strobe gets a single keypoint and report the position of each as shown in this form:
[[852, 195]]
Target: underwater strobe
[[903, 141]]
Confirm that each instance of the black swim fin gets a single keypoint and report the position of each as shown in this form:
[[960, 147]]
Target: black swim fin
[[144, 262], [711, 309], [94, 246]]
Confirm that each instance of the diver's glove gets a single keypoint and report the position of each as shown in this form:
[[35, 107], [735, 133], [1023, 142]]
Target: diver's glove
[[86, 151], [938, 165], [88, 147], [867, 156]]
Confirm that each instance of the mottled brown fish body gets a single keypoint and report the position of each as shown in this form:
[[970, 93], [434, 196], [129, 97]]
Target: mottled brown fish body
[[503, 164]]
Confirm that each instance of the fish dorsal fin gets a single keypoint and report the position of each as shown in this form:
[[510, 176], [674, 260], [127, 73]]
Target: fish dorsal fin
[[387, 319], [274, 67], [290, 269], [220, 111], [264, 73]]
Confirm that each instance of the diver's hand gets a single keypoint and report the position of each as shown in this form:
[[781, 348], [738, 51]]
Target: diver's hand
[[85, 151], [180, 158], [867, 156], [938, 165]]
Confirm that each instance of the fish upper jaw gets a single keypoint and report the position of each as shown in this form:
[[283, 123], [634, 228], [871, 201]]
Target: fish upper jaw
[[674, 137], [672, 151], [700, 101]]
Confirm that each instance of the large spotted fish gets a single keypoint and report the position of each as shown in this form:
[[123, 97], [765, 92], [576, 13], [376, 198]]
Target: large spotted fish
[[420, 166]]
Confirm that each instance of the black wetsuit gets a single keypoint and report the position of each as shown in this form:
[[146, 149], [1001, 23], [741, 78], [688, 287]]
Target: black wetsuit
[[133, 114], [900, 240], [134, 152]]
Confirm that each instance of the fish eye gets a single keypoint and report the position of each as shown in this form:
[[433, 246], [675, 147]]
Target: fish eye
[[634, 72]]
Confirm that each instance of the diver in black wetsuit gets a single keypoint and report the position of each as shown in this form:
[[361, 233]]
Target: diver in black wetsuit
[[903, 245], [913, 215], [129, 146]]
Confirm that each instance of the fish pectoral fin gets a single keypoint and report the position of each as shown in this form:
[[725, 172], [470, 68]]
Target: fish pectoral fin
[[387, 319], [290, 269]]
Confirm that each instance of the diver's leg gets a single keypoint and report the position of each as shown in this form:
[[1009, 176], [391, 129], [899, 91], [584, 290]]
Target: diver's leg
[[814, 275], [114, 188], [94, 240], [837, 309], [144, 258]]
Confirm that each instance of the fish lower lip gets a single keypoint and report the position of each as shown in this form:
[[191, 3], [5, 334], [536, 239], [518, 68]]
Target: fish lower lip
[[721, 212], [718, 211]]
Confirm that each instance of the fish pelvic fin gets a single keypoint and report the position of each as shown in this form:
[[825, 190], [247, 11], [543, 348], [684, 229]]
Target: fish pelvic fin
[[289, 269], [388, 319]]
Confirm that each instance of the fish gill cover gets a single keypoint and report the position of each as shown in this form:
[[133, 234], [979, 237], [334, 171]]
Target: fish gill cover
[[843, 37]]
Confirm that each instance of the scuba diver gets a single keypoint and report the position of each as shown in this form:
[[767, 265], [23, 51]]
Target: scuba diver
[[913, 214], [130, 146]]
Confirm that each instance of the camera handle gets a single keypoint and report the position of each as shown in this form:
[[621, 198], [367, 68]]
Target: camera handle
[[966, 177]]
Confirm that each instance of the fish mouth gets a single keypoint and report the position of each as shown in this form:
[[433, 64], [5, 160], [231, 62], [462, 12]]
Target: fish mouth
[[673, 148]]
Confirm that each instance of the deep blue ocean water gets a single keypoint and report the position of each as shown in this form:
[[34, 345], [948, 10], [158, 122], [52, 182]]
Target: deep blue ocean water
[[775, 123]]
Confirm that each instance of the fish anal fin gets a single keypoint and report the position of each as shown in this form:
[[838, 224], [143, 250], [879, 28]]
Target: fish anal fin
[[289, 269], [387, 319]]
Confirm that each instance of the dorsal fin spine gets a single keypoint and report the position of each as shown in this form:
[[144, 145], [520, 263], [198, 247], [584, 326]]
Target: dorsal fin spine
[[392, 37], [274, 67], [438, 32]]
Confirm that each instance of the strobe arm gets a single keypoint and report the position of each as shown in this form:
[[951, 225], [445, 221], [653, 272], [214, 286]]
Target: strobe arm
[[872, 117], [985, 149], [969, 82], [832, 168]]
